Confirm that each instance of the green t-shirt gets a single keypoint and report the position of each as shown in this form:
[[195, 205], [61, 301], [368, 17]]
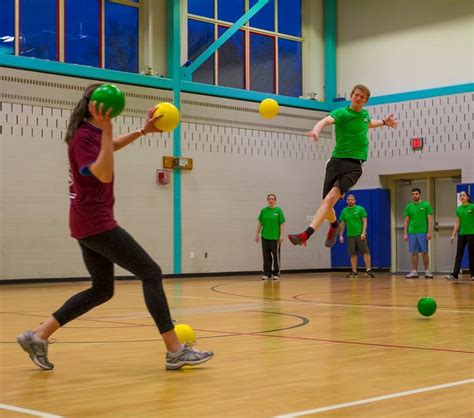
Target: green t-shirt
[[271, 219], [352, 217], [466, 219], [418, 214], [352, 127]]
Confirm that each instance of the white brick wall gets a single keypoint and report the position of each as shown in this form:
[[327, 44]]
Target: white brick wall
[[238, 159], [446, 124], [34, 204]]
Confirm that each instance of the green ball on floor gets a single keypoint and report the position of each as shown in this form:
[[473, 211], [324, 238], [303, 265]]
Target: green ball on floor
[[427, 306]]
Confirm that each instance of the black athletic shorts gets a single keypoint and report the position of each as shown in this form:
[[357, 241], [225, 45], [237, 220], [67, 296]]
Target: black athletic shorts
[[342, 173]]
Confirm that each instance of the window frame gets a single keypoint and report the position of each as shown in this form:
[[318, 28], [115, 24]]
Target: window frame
[[61, 31], [247, 30]]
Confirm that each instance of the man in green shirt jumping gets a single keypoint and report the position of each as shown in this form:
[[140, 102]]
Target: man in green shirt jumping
[[355, 217], [418, 221], [345, 166]]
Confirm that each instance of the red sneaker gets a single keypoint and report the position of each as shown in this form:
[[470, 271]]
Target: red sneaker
[[331, 237], [298, 239]]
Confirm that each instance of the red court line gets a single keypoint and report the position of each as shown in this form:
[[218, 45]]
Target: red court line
[[298, 297], [257, 334]]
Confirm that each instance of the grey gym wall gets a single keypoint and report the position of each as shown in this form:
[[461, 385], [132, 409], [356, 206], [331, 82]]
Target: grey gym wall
[[238, 157], [446, 125], [35, 241]]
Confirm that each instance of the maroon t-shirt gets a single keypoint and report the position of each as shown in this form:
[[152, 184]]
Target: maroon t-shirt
[[92, 201]]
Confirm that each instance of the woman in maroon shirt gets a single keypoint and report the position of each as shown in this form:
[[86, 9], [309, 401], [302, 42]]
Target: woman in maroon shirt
[[103, 243]]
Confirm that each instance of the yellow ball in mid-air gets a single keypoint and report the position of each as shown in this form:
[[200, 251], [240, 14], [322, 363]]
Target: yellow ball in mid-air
[[268, 108], [170, 118], [185, 334]]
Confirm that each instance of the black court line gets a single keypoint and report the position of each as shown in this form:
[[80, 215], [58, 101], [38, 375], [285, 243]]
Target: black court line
[[127, 324]]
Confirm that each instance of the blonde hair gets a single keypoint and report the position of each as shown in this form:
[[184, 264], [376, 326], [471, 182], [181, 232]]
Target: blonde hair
[[362, 88]]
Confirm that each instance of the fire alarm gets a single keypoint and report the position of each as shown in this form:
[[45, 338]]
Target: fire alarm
[[416, 143], [162, 176]]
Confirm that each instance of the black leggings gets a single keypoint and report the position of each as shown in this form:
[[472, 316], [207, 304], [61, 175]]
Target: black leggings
[[271, 252], [462, 241], [100, 253]]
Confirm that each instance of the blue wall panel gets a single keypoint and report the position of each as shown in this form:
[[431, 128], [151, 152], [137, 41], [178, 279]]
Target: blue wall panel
[[377, 204]]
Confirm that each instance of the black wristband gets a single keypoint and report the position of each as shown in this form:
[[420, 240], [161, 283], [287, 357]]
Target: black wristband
[[383, 122]]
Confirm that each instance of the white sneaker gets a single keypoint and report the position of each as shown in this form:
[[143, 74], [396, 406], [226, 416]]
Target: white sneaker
[[36, 348], [265, 277], [276, 277], [186, 356], [428, 274], [412, 275]]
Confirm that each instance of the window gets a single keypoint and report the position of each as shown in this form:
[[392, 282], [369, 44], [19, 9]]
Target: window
[[38, 29], [98, 33], [231, 60], [289, 57], [200, 36], [271, 41], [289, 17], [201, 7], [121, 37], [82, 32], [7, 27], [262, 63], [265, 18], [230, 11]]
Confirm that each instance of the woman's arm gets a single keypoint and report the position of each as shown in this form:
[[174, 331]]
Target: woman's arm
[[257, 234], [455, 230], [126, 139]]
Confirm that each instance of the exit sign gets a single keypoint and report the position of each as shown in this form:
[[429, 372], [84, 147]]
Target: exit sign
[[416, 143]]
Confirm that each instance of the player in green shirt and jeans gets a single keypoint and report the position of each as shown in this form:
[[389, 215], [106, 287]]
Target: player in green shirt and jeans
[[417, 227], [270, 226], [355, 217], [345, 166], [465, 225]]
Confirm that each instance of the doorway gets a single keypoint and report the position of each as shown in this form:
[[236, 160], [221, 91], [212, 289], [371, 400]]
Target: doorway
[[439, 189]]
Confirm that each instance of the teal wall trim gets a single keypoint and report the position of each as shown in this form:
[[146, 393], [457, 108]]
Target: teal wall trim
[[414, 95], [330, 25], [173, 43], [73, 70], [253, 96], [187, 71]]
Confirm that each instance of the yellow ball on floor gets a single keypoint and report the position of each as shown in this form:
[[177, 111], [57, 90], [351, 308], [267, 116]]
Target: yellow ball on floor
[[268, 108], [185, 334], [170, 118]]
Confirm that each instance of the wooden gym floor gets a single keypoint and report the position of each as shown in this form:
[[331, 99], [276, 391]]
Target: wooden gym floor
[[309, 345]]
